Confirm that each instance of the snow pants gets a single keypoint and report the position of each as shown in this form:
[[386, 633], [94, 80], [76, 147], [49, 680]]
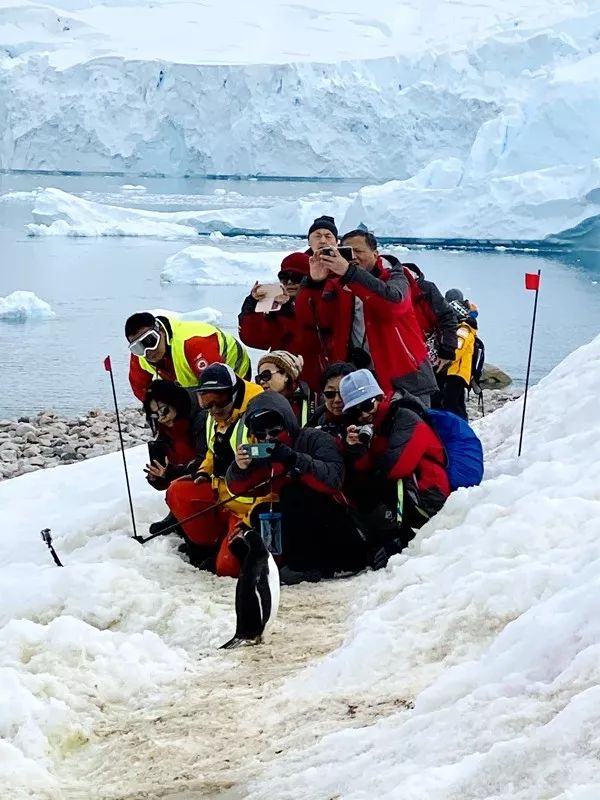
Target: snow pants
[[319, 533], [213, 530]]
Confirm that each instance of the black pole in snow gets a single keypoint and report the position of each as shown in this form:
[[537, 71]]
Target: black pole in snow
[[531, 282], [108, 368]]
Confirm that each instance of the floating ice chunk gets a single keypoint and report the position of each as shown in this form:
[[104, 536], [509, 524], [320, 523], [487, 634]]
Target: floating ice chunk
[[21, 306], [210, 266]]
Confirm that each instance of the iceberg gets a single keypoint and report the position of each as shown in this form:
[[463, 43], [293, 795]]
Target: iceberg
[[442, 202], [58, 213], [22, 306], [211, 266]]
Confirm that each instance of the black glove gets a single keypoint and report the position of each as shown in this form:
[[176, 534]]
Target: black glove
[[282, 454], [378, 558]]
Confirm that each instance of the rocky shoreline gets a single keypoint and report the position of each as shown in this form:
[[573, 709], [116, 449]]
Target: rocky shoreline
[[48, 439]]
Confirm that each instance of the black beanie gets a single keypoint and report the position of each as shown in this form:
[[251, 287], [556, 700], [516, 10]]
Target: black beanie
[[328, 223]]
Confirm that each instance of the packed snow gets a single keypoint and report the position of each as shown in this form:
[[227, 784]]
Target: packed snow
[[21, 306], [210, 266], [467, 664]]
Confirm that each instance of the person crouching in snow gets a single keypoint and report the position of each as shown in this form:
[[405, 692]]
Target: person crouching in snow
[[279, 371], [307, 473], [224, 397], [330, 417], [176, 421], [396, 478]]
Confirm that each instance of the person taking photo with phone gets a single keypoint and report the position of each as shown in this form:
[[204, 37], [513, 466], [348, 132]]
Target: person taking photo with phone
[[306, 470], [224, 397], [356, 307]]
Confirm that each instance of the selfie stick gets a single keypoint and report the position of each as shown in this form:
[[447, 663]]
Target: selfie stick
[[221, 503], [108, 368], [47, 539]]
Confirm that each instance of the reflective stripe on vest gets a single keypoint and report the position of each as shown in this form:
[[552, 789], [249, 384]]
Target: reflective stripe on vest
[[232, 352], [239, 435], [303, 413]]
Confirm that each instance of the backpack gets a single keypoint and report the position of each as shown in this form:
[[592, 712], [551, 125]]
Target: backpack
[[464, 453], [478, 361]]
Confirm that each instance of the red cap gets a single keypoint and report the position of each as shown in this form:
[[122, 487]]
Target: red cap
[[295, 262]]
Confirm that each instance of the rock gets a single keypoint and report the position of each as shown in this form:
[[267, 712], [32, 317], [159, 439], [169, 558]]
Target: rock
[[32, 437], [494, 378], [8, 455], [10, 444], [23, 419], [23, 428], [37, 461], [28, 468], [31, 452]]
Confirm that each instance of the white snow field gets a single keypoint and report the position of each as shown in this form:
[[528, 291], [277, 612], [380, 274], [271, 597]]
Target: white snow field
[[470, 100], [468, 669], [21, 306]]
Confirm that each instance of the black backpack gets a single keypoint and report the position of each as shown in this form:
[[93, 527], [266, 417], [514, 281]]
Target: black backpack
[[478, 361]]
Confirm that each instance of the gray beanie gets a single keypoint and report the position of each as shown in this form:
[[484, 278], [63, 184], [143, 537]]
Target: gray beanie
[[454, 294], [358, 387]]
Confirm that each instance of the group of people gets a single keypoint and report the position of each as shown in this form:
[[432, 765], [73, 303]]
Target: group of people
[[358, 348]]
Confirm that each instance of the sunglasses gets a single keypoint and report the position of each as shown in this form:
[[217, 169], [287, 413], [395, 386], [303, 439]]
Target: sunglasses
[[329, 394], [290, 277], [266, 375], [163, 410], [268, 433], [147, 341], [362, 408]]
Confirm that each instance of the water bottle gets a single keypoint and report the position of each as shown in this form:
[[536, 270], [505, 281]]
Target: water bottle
[[270, 531]]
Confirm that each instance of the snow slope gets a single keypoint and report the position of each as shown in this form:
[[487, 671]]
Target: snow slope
[[470, 666], [487, 628], [209, 266]]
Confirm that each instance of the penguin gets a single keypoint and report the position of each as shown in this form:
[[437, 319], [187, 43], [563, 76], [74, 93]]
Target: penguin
[[257, 590]]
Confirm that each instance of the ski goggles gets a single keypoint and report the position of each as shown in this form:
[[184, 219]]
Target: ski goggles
[[147, 341], [215, 399], [289, 277]]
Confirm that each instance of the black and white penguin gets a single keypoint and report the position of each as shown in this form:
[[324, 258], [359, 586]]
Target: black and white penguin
[[257, 590]]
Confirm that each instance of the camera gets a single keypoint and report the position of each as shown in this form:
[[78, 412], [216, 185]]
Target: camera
[[365, 434], [259, 450]]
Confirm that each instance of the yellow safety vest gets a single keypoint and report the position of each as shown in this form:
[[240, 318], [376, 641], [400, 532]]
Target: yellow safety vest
[[232, 352], [239, 435]]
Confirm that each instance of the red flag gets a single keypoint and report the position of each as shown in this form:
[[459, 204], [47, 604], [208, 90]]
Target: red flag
[[107, 364], [532, 281]]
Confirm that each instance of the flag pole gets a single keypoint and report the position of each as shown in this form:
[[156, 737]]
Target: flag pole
[[108, 368], [531, 281]]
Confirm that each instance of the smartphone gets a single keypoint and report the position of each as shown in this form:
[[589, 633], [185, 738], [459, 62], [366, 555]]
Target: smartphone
[[259, 450], [266, 303], [157, 451], [345, 252]]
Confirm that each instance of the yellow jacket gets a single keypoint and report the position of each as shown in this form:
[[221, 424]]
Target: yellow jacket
[[463, 361], [242, 506]]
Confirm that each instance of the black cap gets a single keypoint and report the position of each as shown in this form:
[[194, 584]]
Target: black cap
[[217, 378], [327, 223], [264, 418]]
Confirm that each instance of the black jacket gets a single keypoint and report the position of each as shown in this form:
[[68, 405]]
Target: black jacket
[[311, 457], [439, 314]]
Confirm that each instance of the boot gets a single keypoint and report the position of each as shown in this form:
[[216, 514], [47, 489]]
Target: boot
[[291, 577], [163, 524]]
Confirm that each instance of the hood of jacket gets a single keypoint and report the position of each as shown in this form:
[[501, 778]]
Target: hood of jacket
[[271, 401]]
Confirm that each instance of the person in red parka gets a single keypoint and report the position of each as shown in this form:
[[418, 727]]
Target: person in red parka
[[360, 311], [274, 330], [395, 463]]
